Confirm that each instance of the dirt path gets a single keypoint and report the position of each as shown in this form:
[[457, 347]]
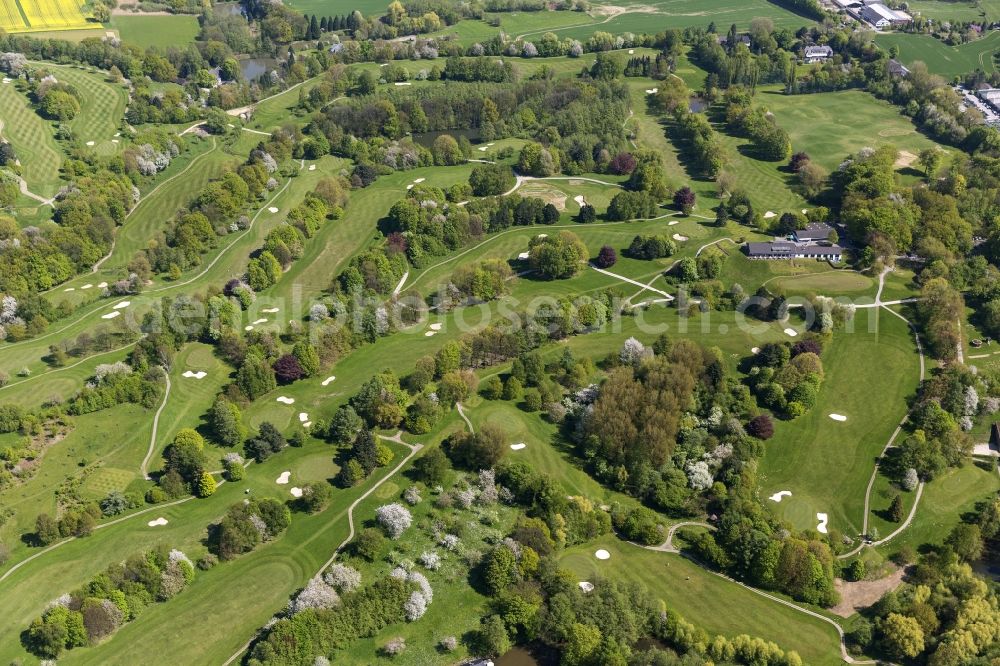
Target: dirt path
[[668, 545], [862, 594], [461, 412], [156, 425]]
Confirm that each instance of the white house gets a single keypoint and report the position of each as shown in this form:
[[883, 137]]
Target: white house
[[817, 54]]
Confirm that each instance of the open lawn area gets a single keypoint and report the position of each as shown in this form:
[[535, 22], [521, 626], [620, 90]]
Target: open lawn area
[[32, 140], [713, 603], [826, 464], [956, 10], [948, 61], [162, 31], [830, 126]]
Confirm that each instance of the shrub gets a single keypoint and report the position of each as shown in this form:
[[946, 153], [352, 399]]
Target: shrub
[[394, 518], [761, 427]]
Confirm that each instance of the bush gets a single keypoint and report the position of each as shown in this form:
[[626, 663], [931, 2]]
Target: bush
[[761, 427], [394, 518]]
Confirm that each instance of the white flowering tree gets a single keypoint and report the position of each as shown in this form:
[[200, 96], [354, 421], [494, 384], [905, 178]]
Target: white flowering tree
[[316, 594], [394, 519], [632, 352], [342, 578]]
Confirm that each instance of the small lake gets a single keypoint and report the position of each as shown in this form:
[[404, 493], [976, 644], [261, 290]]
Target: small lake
[[535, 654], [254, 68]]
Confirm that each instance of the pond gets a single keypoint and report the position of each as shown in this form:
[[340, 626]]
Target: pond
[[697, 105], [426, 139], [254, 68], [532, 655]]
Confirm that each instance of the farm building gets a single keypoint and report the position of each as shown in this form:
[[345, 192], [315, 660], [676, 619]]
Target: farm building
[[881, 16], [991, 96], [897, 69], [817, 54], [790, 250], [845, 5]]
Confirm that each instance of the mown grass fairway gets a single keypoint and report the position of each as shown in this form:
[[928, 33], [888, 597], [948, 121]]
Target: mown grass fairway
[[825, 463], [155, 30], [32, 140], [948, 61], [707, 600]]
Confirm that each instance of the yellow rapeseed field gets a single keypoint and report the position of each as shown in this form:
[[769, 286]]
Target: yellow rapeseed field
[[38, 15]]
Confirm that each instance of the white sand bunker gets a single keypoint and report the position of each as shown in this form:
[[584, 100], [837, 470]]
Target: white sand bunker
[[518, 446], [273, 209], [631, 51], [158, 522], [403, 83], [312, 167], [285, 399], [579, 199], [769, 214], [805, 210], [283, 478], [90, 143], [673, 222], [542, 236], [248, 328], [586, 586], [678, 237], [87, 286], [430, 333], [303, 417], [482, 149], [436, 327], [123, 304], [524, 255], [114, 140], [419, 180], [602, 554], [410, 186], [70, 289], [111, 315], [195, 375], [791, 332], [296, 492], [260, 321], [307, 424], [328, 380], [823, 519], [652, 91], [102, 285], [270, 310], [776, 497], [838, 417], [755, 350]]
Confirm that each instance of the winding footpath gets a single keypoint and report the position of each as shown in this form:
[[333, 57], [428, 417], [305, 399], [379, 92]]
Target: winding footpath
[[143, 468], [461, 412], [397, 438]]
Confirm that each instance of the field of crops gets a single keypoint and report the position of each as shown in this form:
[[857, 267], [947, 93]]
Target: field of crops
[[39, 15]]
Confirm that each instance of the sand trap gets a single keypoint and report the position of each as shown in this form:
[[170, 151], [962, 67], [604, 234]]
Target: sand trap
[[328, 380], [823, 519], [285, 399], [419, 180], [87, 286], [303, 417], [312, 167], [436, 327], [102, 285], [769, 214], [678, 237], [652, 91], [776, 497], [579, 199], [157, 522], [602, 554], [70, 289], [90, 143], [631, 51], [270, 310], [838, 417], [791, 332], [410, 186], [490, 144], [111, 315], [6, 80], [259, 321], [296, 492], [586, 586], [194, 375], [524, 255], [673, 222], [283, 479], [384, 64], [755, 350], [805, 210], [248, 328], [273, 209], [307, 424], [518, 446], [430, 333], [123, 304], [114, 140], [482, 149], [403, 83], [542, 236]]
